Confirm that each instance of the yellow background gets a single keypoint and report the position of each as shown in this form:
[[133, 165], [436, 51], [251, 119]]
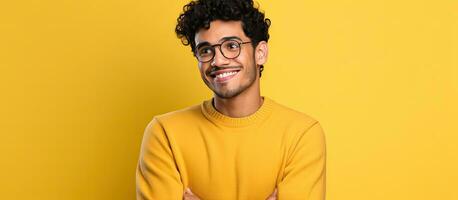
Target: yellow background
[[79, 80]]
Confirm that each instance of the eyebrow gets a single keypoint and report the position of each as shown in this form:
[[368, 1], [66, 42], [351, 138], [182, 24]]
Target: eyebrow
[[221, 40]]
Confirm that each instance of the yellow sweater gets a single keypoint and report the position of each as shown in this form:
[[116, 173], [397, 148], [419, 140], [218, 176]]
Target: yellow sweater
[[224, 158]]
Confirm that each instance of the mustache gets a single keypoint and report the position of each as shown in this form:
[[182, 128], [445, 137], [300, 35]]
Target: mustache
[[216, 68]]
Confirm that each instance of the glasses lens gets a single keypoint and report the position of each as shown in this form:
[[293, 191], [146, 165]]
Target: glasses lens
[[205, 53], [230, 48]]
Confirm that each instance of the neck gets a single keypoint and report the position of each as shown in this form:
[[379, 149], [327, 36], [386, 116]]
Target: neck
[[242, 105]]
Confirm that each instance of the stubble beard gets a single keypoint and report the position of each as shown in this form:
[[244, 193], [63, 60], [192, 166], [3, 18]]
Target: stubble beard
[[230, 93]]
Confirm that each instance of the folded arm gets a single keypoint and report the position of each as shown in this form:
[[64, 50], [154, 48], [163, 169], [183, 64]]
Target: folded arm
[[157, 176], [305, 172]]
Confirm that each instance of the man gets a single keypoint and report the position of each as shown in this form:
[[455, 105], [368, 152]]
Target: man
[[238, 144]]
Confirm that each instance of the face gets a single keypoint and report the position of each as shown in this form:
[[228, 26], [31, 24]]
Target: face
[[228, 77]]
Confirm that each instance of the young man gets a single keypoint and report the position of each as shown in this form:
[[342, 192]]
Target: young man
[[238, 144]]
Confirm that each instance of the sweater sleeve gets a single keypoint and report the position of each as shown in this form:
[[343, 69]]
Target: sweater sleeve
[[305, 171], [157, 176]]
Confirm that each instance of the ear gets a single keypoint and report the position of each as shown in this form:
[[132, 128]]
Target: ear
[[261, 53]]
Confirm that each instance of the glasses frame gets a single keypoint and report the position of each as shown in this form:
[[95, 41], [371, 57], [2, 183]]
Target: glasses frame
[[221, 51]]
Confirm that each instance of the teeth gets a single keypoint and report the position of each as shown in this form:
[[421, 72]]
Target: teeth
[[225, 74]]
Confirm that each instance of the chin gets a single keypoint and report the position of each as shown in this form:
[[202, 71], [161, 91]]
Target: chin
[[227, 94]]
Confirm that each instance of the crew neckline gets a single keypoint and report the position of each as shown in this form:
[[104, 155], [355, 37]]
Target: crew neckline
[[215, 116]]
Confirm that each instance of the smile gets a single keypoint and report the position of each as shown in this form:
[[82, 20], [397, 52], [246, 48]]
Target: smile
[[225, 76]]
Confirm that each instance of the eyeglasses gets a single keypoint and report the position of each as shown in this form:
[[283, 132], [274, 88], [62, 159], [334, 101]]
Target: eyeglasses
[[229, 49]]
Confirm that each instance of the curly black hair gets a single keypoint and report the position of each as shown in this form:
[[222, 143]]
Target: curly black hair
[[199, 13]]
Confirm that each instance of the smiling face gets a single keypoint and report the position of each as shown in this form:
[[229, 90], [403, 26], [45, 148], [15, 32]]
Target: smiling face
[[228, 78]]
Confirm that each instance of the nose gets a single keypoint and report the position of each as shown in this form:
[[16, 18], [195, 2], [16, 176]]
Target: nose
[[219, 59]]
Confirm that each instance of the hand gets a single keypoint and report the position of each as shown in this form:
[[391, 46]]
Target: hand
[[273, 196], [188, 195]]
